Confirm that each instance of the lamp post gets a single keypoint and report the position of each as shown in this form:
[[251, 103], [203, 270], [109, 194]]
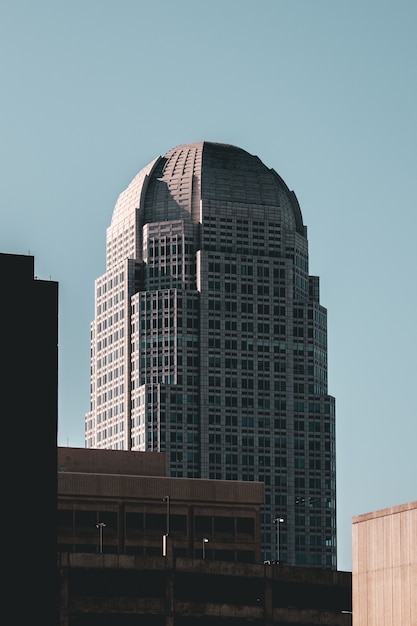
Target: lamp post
[[165, 536], [205, 540], [100, 527], [278, 521], [167, 500]]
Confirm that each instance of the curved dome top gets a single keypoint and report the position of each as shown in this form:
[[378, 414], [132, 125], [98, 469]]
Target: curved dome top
[[177, 182]]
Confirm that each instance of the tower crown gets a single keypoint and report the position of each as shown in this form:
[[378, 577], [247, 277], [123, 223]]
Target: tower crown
[[174, 185]]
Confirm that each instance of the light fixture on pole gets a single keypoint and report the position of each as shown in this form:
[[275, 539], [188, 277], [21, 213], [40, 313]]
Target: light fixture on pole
[[165, 536], [205, 540], [167, 500], [278, 521], [100, 527]]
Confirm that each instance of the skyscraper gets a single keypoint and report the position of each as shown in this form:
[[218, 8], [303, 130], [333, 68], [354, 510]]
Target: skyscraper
[[209, 340]]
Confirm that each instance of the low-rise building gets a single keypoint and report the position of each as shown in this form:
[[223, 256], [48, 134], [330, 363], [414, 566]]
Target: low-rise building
[[138, 548], [119, 502], [384, 567]]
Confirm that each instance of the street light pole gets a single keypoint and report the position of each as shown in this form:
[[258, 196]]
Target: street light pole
[[278, 521], [167, 500], [165, 537], [100, 527], [205, 540]]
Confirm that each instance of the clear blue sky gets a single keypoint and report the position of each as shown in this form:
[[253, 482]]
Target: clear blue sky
[[325, 92]]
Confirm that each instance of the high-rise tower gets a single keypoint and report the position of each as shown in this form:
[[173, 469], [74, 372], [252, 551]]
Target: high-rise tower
[[209, 340]]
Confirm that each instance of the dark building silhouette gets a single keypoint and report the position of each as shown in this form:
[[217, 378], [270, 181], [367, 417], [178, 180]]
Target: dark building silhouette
[[29, 384]]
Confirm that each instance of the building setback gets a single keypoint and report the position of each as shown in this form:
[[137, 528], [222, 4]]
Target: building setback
[[210, 343]]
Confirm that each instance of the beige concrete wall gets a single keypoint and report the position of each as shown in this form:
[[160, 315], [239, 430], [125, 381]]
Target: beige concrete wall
[[384, 567]]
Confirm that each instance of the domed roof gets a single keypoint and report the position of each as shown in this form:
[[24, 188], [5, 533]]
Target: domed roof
[[190, 174]]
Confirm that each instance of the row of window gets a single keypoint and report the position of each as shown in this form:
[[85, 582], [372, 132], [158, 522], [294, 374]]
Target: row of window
[[111, 394], [110, 376], [109, 284], [137, 522], [110, 357], [102, 435], [110, 303]]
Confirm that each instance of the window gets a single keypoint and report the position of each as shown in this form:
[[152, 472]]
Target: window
[[203, 524], [224, 525]]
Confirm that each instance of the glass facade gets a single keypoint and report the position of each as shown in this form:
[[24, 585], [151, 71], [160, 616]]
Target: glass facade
[[210, 343]]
